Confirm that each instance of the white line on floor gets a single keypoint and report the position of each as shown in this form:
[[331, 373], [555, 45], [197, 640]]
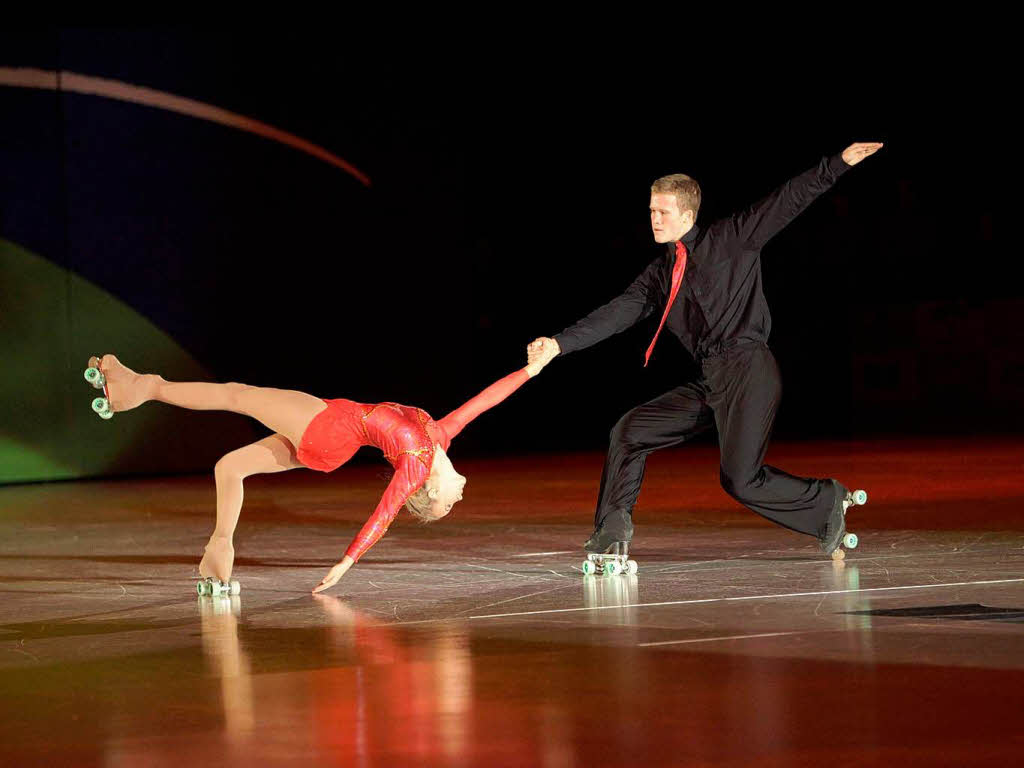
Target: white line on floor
[[750, 597], [539, 554], [521, 597], [712, 639], [720, 600], [751, 561], [499, 570]]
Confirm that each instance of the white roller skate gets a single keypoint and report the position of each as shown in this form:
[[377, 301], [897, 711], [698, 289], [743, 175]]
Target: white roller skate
[[613, 561], [93, 375], [133, 389], [214, 587]]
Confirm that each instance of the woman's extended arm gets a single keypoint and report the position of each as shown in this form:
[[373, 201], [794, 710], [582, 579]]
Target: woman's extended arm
[[453, 423], [410, 474]]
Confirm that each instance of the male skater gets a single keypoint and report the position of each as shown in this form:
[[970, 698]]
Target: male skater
[[707, 289]]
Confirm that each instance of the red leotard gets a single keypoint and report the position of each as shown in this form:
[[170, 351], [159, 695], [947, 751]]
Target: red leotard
[[407, 437]]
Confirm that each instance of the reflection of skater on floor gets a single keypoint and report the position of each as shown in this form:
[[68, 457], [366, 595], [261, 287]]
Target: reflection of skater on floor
[[428, 682], [845, 576], [607, 594], [219, 621]]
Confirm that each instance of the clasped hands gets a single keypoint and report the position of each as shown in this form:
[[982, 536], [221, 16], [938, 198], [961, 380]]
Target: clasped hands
[[539, 353]]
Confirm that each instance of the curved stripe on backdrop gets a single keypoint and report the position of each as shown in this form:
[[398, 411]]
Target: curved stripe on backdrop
[[72, 82]]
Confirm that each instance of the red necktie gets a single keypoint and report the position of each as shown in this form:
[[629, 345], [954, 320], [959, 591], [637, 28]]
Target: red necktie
[[677, 278]]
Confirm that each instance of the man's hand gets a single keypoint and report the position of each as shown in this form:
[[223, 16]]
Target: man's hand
[[854, 153], [334, 575], [539, 353]]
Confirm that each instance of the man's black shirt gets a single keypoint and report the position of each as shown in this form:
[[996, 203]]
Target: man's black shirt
[[720, 303]]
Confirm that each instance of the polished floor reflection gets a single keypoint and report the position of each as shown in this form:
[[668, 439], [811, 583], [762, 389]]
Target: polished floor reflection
[[478, 641]]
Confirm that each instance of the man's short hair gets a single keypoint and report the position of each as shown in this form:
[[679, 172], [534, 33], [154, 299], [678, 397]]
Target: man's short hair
[[686, 190]]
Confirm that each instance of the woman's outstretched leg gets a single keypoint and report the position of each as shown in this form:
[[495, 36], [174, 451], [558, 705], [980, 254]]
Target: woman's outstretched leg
[[285, 411], [271, 454]]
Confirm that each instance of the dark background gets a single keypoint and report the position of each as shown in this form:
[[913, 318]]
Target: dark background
[[509, 197]]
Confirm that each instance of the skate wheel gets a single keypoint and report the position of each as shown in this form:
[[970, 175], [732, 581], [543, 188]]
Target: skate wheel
[[838, 553], [234, 587], [201, 588], [94, 377], [588, 568], [850, 541], [611, 568], [216, 588], [100, 405], [860, 497], [632, 567]]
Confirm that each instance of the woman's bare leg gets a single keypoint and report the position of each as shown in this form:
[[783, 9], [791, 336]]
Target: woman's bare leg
[[271, 454], [284, 411]]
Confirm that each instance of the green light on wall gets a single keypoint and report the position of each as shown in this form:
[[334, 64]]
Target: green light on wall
[[51, 321]]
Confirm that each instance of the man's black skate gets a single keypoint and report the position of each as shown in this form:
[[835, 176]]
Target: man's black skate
[[835, 529], [616, 527], [608, 547]]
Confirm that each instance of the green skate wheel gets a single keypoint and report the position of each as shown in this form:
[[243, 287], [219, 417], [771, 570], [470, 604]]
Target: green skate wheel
[[611, 568], [201, 588], [850, 541], [100, 404], [860, 497], [216, 588], [234, 587], [632, 567], [106, 415], [588, 568], [94, 377]]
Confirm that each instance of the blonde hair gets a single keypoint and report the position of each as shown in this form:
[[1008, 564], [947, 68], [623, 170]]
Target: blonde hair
[[686, 190], [419, 504]]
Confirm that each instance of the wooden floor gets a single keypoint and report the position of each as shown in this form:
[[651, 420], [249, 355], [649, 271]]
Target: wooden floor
[[478, 641]]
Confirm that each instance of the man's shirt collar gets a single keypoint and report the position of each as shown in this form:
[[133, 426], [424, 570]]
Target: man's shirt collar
[[689, 240]]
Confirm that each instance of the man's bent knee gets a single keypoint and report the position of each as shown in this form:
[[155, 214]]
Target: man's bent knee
[[623, 432], [740, 484]]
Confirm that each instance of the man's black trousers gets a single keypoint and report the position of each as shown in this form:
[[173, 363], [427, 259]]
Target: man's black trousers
[[738, 391]]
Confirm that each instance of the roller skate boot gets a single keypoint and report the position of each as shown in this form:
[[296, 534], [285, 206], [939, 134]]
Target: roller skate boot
[[608, 547], [215, 570], [123, 388], [835, 536]]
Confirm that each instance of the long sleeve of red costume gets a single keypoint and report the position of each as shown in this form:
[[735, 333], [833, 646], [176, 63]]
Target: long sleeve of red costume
[[410, 474], [490, 397]]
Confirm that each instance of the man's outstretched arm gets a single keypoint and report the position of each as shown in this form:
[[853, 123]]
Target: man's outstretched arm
[[622, 312], [764, 219]]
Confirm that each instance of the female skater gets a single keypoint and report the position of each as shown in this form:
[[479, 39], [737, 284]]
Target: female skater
[[322, 435]]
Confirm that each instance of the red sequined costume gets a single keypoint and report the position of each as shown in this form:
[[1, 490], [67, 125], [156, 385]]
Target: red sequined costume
[[407, 437]]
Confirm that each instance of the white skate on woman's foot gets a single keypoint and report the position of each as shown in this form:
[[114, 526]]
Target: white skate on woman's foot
[[124, 388], [215, 569]]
